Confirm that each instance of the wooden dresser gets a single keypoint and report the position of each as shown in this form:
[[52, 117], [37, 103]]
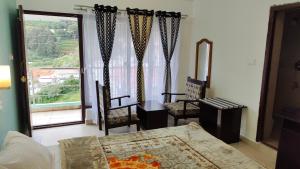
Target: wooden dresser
[[288, 156]]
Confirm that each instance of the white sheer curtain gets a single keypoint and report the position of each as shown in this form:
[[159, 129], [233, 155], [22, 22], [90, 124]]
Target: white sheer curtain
[[123, 63]]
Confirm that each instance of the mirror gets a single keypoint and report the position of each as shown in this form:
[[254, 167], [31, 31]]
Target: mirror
[[203, 60]]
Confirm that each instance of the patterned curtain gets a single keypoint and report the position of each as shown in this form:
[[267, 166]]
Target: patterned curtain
[[169, 23], [140, 25], [106, 25]]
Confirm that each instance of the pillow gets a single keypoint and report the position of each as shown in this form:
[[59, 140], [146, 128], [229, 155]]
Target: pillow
[[21, 152]]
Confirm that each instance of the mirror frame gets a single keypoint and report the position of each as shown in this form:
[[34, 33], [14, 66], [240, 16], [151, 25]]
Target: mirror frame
[[208, 77]]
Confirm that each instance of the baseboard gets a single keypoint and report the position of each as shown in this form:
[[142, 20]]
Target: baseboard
[[258, 145], [89, 122], [248, 141]]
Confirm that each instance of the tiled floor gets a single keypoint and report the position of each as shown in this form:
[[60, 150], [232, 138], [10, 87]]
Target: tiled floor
[[258, 151], [48, 137], [53, 117]]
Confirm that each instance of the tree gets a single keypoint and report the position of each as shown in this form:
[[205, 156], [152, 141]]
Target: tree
[[53, 92], [43, 42]]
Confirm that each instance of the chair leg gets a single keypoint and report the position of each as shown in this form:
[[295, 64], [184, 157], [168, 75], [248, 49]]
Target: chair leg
[[175, 121], [100, 125], [129, 116], [106, 131], [138, 127]]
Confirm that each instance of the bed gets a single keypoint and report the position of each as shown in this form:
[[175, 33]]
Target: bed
[[181, 147]]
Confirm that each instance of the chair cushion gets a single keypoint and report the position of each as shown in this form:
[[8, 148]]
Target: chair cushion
[[176, 108], [193, 91], [120, 116]]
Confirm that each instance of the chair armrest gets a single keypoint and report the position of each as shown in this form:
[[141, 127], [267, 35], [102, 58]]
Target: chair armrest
[[173, 94], [188, 101], [124, 106], [185, 102], [120, 97]]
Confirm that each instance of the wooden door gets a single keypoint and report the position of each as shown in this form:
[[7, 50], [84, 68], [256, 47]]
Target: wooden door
[[23, 95]]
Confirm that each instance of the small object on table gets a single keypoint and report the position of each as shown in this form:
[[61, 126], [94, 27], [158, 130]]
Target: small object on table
[[221, 118], [152, 115], [289, 149]]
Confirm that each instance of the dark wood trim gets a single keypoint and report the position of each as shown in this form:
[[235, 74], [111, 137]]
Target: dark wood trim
[[80, 34], [209, 61], [267, 64], [52, 13], [23, 96], [289, 6], [265, 79], [80, 31], [57, 125], [98, 106]]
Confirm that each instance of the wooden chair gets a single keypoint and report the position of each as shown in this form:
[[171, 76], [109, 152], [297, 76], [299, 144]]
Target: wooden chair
[[114, 116], [189, 106]]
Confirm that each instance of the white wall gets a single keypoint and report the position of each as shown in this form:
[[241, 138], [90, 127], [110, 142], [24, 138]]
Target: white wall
[[238, 29]]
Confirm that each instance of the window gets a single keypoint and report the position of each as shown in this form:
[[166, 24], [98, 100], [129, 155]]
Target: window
[[123, 63]]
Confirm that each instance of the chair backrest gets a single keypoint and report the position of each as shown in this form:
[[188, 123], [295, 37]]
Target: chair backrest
[[195, 89], [103, 100]]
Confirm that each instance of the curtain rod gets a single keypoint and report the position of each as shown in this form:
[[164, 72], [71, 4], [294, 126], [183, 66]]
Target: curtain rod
[[86, 7]]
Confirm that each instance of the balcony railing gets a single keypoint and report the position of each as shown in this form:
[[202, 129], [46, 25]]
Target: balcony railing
[[54, 88]]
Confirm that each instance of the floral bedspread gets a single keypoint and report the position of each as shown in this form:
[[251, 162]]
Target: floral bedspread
[[183, 147]]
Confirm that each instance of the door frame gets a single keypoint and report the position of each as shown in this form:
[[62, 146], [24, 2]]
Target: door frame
[[267, 64], [80, 34], [22, 85]]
